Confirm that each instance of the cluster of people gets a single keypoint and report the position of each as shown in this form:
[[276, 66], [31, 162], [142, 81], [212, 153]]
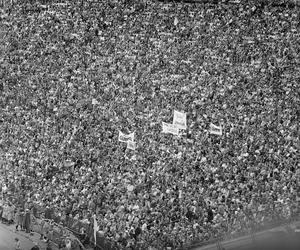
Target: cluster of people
[[75, 73], [9, 214]]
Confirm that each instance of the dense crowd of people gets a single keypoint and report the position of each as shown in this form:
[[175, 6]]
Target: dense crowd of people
[[73, 74]]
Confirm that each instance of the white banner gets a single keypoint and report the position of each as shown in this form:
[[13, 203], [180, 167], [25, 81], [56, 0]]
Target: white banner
[[125, 138], [216, 130], [131, 145], [179, 119], [170, 128]]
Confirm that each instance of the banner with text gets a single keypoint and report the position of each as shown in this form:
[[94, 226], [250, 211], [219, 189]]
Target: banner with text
[[131, 145], [216, 130], [179, 119], [170, 128], [125, 138]]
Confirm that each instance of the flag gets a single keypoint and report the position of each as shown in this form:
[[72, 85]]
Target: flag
[[131, 145], [170, 128], [179, 119], [216, 130], [125, 138], [96, 228]]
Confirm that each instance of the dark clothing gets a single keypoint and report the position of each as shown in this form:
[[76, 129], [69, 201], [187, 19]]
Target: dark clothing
[[210, 215], [48, 213], [27, 222], [189, 215], [137, 232]]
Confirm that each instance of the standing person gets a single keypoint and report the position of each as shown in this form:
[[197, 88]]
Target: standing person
[[49, 246], [10, 214], [19, 219], [68, 244], [27, 221], [4, 213], [1, 211], [17, 244]]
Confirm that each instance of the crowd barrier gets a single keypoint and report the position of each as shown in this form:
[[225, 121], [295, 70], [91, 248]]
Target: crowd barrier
[[250, 222], [75, 226], [57, 228], [56, 233]]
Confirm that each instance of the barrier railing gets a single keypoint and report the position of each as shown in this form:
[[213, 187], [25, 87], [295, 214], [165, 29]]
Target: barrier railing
[[250, 222], [76, 226], [68, 225], [53, 231]]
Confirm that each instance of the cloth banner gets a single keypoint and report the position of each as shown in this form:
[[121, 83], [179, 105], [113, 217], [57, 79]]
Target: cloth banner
[[179, 120], [131, 145], [125, 138], [170, 128], [216, 130]]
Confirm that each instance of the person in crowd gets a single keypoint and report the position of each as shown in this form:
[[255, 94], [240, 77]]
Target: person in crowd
[[83, 236], [19, 219], [27, 221], [17, 244], [1, 211], [49, 246], [68, 244], [35, 247]]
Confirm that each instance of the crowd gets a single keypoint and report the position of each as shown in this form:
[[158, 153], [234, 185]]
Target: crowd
[[75, 73]]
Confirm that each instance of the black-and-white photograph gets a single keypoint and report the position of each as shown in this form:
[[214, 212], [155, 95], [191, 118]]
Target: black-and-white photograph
[[149, 125]]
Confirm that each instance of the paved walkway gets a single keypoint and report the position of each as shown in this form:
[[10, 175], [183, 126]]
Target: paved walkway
[[7, 238], [8, 235]]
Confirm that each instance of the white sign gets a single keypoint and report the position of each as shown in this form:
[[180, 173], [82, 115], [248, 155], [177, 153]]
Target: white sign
[[179, 119], [216, 130], [170, 128], [125, 138], [131, 145]]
